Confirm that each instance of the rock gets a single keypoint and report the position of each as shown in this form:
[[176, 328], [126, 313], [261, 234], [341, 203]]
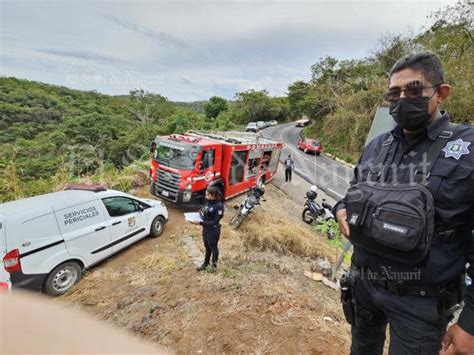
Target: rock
[[140, 179], [329, 319], [210, 338], [316, 276], [330, 284], [322, 266], [125, 302]]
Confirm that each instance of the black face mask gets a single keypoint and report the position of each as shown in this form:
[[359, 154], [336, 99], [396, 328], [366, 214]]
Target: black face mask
[[411, 114]]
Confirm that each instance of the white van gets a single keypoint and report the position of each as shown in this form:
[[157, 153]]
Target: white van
[[47, 241]]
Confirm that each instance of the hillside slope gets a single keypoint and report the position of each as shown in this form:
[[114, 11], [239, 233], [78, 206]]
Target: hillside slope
[[257, 301]]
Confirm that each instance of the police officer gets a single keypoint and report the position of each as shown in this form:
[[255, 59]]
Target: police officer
[[211, 215], [416, 299], [289, 166]]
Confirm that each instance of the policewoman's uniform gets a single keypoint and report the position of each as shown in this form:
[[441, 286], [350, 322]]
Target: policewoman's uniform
[[211, 215], [414, 297]]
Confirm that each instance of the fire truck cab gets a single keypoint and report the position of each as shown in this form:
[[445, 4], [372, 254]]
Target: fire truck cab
[[184, 165]]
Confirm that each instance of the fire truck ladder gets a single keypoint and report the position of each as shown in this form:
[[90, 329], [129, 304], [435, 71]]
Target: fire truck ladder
[[234, 137], [214, 137]]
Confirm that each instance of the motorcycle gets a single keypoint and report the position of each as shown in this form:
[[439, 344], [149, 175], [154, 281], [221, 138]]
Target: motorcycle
[[247, 205], [317, 214]]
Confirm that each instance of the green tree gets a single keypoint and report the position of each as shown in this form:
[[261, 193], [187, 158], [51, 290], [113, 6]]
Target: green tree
[[252, 105], [324, 69], [150, 108], [214, 106], [298, 94], [223, 122]]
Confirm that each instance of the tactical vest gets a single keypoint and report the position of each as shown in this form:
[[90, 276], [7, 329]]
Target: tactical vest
[[395, 221]]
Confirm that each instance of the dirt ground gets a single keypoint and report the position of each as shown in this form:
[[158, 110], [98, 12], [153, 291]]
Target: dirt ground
[[256, 301]]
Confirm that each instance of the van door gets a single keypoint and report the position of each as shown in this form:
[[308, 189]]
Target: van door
[[127, 220], [85, 231]]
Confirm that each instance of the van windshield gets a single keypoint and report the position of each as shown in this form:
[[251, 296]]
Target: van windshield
[[176, 156]]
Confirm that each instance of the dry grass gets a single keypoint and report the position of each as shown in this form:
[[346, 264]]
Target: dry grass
[[257, 301], [272, 228]]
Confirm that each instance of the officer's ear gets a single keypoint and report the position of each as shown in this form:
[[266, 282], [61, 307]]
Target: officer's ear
[[443, 92]]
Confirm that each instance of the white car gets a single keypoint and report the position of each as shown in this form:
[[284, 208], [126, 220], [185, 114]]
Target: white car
[[47, 241], [273, 123], [251, 127], [261, 125]]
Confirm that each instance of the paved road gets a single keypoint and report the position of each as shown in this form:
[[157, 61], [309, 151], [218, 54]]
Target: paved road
[[329, 175]]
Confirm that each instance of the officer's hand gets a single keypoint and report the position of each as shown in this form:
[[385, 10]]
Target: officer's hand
[[457, 341], [341, 217]]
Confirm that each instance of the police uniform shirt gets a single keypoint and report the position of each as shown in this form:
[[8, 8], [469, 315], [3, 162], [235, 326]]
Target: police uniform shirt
[[211, 214], [451, 183]]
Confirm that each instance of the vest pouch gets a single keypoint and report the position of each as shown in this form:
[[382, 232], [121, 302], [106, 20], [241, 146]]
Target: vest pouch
[[392, 221], [397, 226], [358, 208]]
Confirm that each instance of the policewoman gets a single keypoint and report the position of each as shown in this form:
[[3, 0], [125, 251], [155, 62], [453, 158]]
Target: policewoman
[[409, 212], [211, 215]]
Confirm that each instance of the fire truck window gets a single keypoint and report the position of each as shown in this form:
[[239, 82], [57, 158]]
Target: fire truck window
[[237, 167], [274, 161], [266, 160], [253, 167], [207, 159]]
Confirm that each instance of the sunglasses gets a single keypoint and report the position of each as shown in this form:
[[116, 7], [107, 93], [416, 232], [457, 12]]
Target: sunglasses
[[411, 92]]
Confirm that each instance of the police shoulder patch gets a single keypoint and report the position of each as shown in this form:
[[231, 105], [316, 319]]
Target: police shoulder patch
[[455, 149]]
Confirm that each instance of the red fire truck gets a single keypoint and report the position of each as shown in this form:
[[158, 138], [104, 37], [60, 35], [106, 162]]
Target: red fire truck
[[184, 165]]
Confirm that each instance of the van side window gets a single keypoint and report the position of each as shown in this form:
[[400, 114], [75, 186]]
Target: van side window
[[142, 204], [120, 206]]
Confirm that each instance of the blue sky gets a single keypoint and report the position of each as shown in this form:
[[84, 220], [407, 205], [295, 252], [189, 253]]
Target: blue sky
[[191, 50]]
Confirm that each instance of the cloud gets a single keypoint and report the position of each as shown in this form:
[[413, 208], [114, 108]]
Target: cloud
[[79, 54], [161, 37], [193, 50]]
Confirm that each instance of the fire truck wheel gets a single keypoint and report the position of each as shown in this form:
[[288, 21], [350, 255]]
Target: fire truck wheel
[[260, 182], [157, 227], [306, 150]]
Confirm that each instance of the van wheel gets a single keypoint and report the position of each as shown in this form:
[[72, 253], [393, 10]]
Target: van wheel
[[62, 278], [157, 227]]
